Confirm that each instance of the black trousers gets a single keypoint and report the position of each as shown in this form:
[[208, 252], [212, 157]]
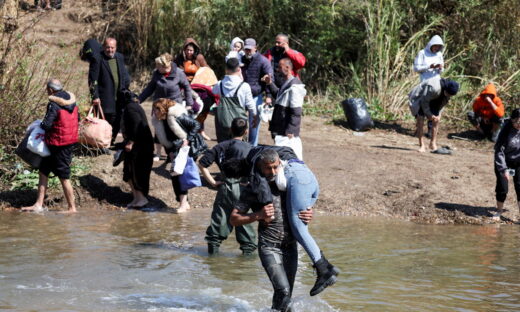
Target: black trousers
[[502, 186], [114, 119], [177, 188], [280, 264]]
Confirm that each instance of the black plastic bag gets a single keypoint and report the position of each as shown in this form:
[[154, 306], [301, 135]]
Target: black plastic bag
[[33, 159], [357, 114]]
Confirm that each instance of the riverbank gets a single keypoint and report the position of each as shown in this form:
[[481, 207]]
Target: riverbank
[[377, 173]]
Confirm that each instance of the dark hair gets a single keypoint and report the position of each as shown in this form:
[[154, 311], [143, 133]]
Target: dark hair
[[235, 168], [515, 113], [238, 127], [288, 62], [232, 64]]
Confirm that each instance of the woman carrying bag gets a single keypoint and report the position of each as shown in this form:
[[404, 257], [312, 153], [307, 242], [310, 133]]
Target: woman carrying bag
[[176, 129]]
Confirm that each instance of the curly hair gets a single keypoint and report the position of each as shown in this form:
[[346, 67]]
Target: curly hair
[[162, 106], [164, 60]]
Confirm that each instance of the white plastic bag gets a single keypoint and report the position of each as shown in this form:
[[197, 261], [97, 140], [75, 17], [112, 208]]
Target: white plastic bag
[[179, 163], [295, 143], [36, 140], [265, 112]]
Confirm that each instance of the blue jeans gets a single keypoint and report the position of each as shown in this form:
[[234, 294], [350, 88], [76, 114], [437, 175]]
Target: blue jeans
[[302, 193], [253, 132]]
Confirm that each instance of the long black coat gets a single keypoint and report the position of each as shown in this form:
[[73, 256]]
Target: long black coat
[[138, 162], [101, 82]]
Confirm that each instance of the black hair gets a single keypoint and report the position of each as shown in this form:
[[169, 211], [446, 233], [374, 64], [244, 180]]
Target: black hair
[[232, 64], [235, 168], [515, 113], [238, 127]]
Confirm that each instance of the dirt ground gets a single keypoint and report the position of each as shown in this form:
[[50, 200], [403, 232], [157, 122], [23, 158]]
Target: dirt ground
[[376, 173]]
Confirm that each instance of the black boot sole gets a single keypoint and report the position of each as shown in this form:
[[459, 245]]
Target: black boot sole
[[331, 281]]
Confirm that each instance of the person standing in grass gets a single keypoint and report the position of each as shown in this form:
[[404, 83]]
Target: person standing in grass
[[61, 124], [429, 62]]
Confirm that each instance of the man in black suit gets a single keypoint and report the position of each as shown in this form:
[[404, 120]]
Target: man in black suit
[[108, 77]]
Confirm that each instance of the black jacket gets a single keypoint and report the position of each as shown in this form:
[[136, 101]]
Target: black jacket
[[507, 148], [286, 119], [101, 82], [257, 183]]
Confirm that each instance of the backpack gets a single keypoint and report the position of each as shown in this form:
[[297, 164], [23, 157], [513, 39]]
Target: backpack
[[228, 109]]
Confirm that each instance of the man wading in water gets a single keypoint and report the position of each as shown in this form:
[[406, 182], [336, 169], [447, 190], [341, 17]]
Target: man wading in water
[[277, 247]]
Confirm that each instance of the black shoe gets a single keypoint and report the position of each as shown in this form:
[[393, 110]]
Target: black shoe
[[212, 249], [327, 275]]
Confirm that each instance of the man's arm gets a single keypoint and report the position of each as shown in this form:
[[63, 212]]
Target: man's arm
[[208, 177], [297, 58], [50, 116], [93, 77], [238, 217]]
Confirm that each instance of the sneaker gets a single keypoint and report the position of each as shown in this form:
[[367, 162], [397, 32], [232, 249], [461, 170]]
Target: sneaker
[[156, 157]]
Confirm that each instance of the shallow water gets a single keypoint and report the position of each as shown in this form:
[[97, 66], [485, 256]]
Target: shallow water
[[157, 261]]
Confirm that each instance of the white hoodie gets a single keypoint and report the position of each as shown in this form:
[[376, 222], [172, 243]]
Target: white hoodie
[[234, 54], [426, 57]]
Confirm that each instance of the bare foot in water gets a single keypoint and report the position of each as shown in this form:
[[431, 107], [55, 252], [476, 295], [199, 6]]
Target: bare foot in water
[[70, 211], [140, 203], [33, 208], [422, 149], [183, 208]]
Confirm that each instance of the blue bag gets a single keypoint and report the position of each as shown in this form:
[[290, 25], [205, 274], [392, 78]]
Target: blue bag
[[190, 177]]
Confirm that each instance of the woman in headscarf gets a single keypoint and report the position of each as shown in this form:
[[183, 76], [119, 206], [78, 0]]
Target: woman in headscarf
[[190, 59], [138, 149]]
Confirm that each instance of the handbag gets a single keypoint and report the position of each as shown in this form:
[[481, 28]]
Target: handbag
[[94, 130], [190, 178], [36, 141]]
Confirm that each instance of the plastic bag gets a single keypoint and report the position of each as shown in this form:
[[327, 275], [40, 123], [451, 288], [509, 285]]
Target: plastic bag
[[33, 159], [190, 178], [295, 143], [36, 141], [357, 114], [179, 163], [265, 112]]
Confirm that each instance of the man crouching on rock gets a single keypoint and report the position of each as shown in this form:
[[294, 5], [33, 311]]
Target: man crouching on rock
[[61, 133]]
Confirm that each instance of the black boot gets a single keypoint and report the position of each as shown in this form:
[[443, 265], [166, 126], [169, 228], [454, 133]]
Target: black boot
[[212, 249], [326, 275]]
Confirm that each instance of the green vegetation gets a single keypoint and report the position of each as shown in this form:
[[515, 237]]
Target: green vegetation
[[354, 48]]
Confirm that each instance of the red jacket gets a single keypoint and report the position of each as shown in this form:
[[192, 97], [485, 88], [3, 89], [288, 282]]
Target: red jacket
[[297, 58], [61, 121]]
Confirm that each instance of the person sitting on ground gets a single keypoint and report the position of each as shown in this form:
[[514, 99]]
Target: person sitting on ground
[[61, 124], [174, 129], [235, 98], [277, 167], [190, 59], [488, 112], [236, 50], [427, 101], [168, 82], [228, 191], [138, 148], [507, 161]]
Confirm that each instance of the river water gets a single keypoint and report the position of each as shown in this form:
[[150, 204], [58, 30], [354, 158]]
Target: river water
[[157, 261]]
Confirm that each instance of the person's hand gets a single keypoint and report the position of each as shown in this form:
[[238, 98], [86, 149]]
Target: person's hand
[[217, 184], [255, 121], [435, 118], [267, 213], [290, 135], [432, 66], [185, 143], [96, 101], [285, 46], [439, 66], [305, 215], [506, 175], [129, 146], [172, 156], [268, 101], [267, 79]]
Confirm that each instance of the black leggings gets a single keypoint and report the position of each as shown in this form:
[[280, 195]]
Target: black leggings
[[502, 184], [177, 188], [280, 264]]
